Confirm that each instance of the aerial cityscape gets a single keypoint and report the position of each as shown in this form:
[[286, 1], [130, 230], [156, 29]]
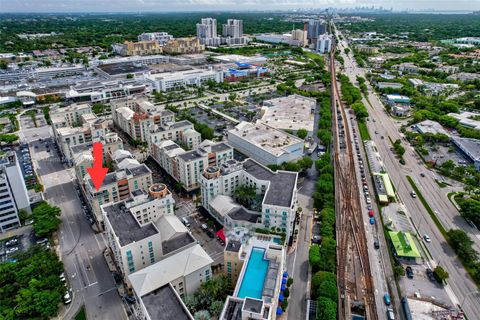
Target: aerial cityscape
[[223, 160]]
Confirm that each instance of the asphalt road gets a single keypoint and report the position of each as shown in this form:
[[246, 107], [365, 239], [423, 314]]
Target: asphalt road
[[297, 261], [460, 285], [81, 250]]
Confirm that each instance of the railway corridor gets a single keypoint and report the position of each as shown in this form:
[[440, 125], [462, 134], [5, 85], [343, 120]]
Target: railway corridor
[[355, 283]]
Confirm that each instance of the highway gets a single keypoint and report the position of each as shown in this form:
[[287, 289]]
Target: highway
[[81, 250], [460, 285]]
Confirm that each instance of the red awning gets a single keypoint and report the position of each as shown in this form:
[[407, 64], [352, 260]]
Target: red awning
[[221, 235]]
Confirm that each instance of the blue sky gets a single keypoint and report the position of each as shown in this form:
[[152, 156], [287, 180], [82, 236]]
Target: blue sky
[[206, 5]]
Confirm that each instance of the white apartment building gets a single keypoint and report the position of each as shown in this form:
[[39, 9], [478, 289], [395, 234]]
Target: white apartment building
[[136, 116], [82, 157], [207, 32], [91, 129], [177, 131], [324, 43], [69, 116], [160, 37], [140, 229], [257, 300], [278, 191], [232, 33], [180, 79], [186, 167], [116, 186], [160, 287], [13, 192], [265, 144]]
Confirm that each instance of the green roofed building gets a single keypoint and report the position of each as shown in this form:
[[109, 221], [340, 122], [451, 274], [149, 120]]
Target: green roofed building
[[404, 244]]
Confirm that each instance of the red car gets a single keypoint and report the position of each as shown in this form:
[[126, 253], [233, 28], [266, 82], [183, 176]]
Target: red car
[[371, 213]]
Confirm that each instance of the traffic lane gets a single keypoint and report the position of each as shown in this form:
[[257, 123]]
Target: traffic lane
[[298, 267], [211, 245], [87, 263], [439, 201], [455, 276]]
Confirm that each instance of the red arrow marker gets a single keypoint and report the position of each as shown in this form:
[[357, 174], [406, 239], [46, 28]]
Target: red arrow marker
[[97, 173]]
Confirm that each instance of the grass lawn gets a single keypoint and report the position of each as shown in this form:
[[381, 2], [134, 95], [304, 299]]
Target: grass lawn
[[362, 127], [81, 315]]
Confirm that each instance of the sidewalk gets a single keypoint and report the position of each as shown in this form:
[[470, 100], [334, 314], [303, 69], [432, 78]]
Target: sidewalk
[[16, 232]]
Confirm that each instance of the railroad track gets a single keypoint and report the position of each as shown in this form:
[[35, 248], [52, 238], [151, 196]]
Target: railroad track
[[351, 239]]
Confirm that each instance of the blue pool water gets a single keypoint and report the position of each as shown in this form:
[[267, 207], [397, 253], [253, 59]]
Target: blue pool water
[[254, 277]]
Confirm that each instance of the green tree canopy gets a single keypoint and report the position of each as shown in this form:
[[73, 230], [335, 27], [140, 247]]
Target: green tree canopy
[[302, 133], [45, 219]]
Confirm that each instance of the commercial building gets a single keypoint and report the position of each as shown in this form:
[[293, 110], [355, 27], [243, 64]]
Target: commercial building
[[389, 85], [299, 38], [265, 144], [207, 32], [256, 60], [244, 71], [259, 286], [290, 113], [176, 80], [160, 37], [464, 76], [276, 202], [324, 43], [469, 147], [396, 98], [141, 48], [366, 49], [404, 245], [314, 29], [184, 46], [429, 126], [116, 186], [42, 73], [105, 91], [13, 192], [467, 119], [186, 167], [136, 116]]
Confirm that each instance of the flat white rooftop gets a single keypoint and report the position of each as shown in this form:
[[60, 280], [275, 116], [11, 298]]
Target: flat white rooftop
[[290, 113], [272, 140]]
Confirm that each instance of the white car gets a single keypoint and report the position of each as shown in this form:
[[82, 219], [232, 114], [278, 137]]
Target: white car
[[67, 298], [368, 200], [427, 238], [12, 250]]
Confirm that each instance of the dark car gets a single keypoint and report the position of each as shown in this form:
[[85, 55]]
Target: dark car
[[422, 175], [430, 275], [210, 234], [409, 272], [130, 299]]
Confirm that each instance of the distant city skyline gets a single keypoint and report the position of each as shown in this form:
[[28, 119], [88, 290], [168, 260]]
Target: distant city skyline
[[225, 5]]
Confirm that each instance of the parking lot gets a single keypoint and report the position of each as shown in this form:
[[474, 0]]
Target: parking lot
[[11, 245], [440, 154], [217, 123]]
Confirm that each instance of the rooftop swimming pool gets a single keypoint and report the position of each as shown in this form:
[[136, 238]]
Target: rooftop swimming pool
[[254, 277]]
